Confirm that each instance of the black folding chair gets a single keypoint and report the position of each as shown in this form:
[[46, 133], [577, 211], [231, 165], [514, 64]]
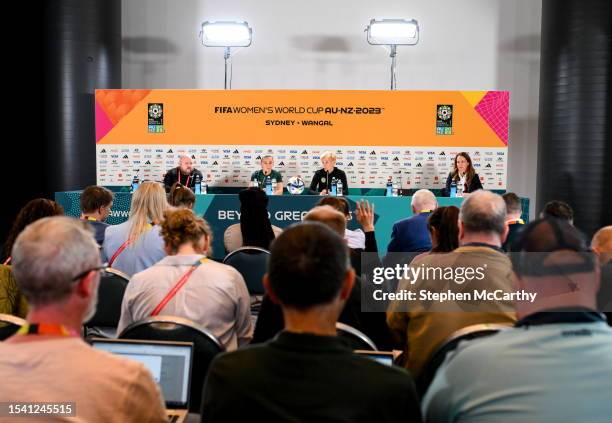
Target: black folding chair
[[357, 339], [450, 344], [112, 287], [252, 263], [172, 328], [9, 324]]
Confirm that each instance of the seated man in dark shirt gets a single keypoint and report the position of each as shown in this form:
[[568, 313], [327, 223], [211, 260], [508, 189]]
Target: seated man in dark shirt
[[185, 174], [307, 373], [515, 224], [96, 205], [373, 324]]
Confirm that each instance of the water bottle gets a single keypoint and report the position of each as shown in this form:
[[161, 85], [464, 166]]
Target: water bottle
[[198, 185], [453, 189], [339, 188], [205, 189], [274, 183], [255, 183], [459, 189], [268, 186], [334, 187], [135, 183], [395, 190], [389, 187]]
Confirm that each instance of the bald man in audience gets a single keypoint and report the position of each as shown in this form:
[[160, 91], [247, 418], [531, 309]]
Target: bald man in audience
[[57, 266], [602, 246], [555, 365], [185, 174], [423, 326]]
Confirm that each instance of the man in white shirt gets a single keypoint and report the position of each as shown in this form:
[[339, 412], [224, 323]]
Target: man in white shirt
[[57, 264]]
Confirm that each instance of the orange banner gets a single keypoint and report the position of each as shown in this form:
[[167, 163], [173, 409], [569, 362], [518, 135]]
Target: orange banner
[[340, 118]]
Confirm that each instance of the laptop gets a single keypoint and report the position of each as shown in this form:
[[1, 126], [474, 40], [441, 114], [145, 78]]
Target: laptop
[[168, 362], [383, 357]]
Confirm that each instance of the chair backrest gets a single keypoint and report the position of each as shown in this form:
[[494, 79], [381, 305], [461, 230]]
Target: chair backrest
[[171, 328], [110, 295], [357, 339], [9, 324], [252, 263], [450, 344]]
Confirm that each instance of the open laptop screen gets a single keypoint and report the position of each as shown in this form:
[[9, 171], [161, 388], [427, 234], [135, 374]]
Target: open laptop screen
[[168, 362], [382, 357]]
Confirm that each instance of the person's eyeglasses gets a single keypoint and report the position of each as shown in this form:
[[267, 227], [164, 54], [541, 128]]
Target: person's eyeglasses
[[101, 269]]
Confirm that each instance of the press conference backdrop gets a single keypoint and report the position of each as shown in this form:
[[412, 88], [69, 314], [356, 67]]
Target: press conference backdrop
[[223, 210], [412, 136]]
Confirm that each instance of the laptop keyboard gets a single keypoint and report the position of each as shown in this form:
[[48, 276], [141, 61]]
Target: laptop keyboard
[[172, 418]]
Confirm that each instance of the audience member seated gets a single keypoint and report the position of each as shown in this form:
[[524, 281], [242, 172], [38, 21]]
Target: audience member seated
[[96, 205], [355, 238], [31, 212], [136, 245], [602, 246], [270, 318], [443, 227], [307, 373], [559, 210], [181, 196], [57, 263], [12, 301], [515, 224], [482, 229], [187, 284], [411, 234], [254, 229], [556, 365]]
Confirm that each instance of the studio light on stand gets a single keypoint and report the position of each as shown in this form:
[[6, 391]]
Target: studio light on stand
[[393, 33], [226, 34]]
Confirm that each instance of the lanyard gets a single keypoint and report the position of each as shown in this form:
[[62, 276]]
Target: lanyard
[[181, 282], [178, 172], [515, 221], [45, 329], [121, 249], [91, 219], [7, 261]]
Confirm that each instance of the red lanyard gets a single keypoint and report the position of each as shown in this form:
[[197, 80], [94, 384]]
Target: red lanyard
[[181, 282], [45, 329], [121, 249], [178, 172]]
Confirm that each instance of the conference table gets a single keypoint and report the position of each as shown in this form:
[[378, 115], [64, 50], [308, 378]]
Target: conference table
[[223, 210]]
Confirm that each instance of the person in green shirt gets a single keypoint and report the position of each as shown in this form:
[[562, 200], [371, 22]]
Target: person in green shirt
[[267, 172]]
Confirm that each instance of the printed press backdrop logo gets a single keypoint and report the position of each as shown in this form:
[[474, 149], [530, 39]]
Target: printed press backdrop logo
[[155, 113], [444, 119], [422, 168]]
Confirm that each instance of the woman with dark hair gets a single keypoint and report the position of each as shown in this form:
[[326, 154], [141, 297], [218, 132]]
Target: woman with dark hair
[[254, 229], [443, 225], [31, 212], [180, 196], [464, 175], [12, 301]]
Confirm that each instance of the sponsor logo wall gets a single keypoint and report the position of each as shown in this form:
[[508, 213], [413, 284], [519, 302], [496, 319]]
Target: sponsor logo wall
[[413, 167], [412, 136]]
